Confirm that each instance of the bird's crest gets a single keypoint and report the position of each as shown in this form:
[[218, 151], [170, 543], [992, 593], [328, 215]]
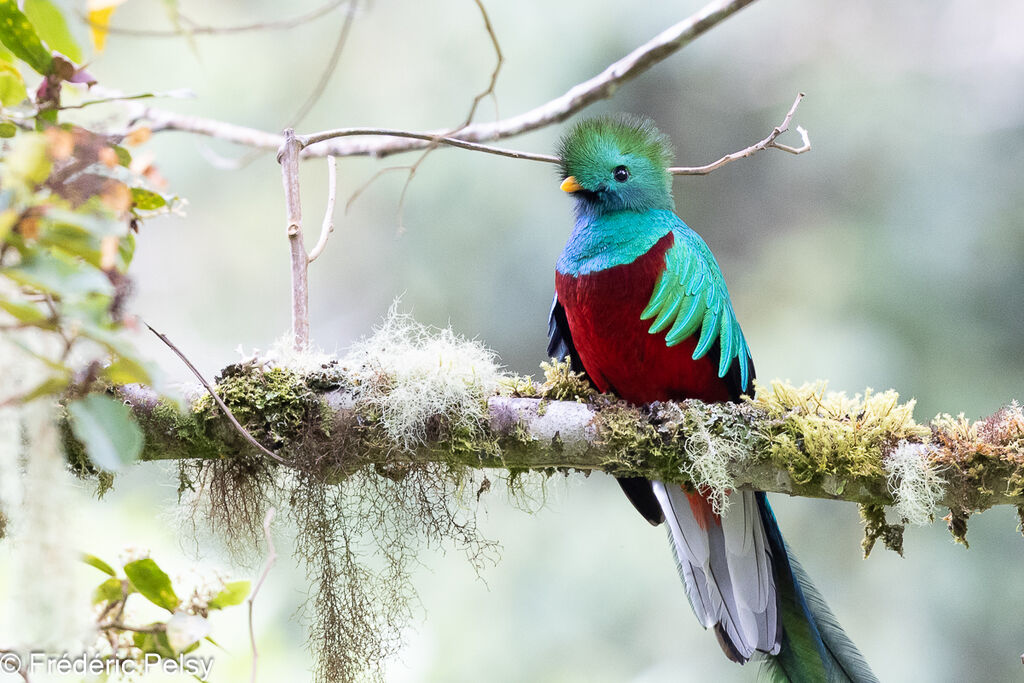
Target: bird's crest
[[626, 134]]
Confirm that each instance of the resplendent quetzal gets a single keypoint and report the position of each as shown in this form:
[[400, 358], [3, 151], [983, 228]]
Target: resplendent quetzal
[[641, 307]]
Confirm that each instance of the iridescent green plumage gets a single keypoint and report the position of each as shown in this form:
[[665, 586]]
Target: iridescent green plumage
[[691, 296]]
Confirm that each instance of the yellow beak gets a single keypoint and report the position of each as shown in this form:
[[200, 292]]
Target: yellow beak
[[570, 185]]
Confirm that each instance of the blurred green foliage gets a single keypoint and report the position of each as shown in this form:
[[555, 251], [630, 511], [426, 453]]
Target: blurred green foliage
[[69, 210]]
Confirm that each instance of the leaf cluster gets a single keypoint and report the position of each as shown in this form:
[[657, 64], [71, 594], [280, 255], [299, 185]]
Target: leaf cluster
[[71, 201], [183, 629]]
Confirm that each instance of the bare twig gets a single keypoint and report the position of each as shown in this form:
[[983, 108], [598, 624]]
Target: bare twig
[[117, 626], [362, 188], [415, 166], [329, 68], [768, 142], [314, 96], [179, 94], [213, 394], [289, 158], [559, 109], [271, 559], [499, 61], [196, 29], [332, 194], [308, 140]]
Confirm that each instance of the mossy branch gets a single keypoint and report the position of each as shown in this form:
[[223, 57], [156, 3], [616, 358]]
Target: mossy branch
[[799, 441], [382, 449]]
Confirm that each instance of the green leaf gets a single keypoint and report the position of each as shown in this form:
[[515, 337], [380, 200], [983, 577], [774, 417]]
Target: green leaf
[[18, 35], [12, 89], [108, 591], [126, 250], [97, 225], [51, 386], [147, 200], [26, 313], [124, 157], [51, 26], [27, 163], [126, 370], [106, 427], [7, 129], [153, 583], [234, 593], [71, 240], [64, 276], [154, 642], [94, 561]]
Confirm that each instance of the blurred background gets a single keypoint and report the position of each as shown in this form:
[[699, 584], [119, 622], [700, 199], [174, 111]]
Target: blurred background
[[891, 255]]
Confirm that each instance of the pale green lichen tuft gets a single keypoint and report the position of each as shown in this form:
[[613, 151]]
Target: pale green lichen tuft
[[915, 482], [817, 433], [415, 379], [561, 383], [518, 386]]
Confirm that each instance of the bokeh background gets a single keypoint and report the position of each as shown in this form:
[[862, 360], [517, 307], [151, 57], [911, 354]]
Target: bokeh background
[[891, 255]]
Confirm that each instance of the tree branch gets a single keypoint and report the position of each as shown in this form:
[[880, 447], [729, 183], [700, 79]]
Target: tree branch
[[581, 95], [869, 455]]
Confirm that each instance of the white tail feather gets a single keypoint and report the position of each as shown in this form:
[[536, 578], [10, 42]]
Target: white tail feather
[[725, 565]]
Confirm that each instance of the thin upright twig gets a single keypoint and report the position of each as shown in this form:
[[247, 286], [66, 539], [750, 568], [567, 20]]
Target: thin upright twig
[[213, 394], [196, 29], [289, 158], [768, 142], [328, 225], [271, 559]]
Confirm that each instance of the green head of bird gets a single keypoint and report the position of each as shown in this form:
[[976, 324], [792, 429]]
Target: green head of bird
[[616, 164]]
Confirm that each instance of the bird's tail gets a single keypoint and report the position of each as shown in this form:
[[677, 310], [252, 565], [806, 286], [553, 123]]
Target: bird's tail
[[742, 582], [814, 646]]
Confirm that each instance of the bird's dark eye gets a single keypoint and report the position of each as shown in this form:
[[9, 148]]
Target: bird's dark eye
[[621, 174]]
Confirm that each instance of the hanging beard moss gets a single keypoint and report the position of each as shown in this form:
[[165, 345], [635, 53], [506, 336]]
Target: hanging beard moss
[[360, 539], [360, 522]]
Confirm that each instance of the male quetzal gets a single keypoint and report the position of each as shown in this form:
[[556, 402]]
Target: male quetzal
[[641, 307]]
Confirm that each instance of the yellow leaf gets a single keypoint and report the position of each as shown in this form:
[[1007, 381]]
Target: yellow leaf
[[99, 13]]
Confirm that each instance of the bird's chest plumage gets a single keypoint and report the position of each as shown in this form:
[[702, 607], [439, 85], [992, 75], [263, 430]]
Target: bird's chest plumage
[[603, 308]]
